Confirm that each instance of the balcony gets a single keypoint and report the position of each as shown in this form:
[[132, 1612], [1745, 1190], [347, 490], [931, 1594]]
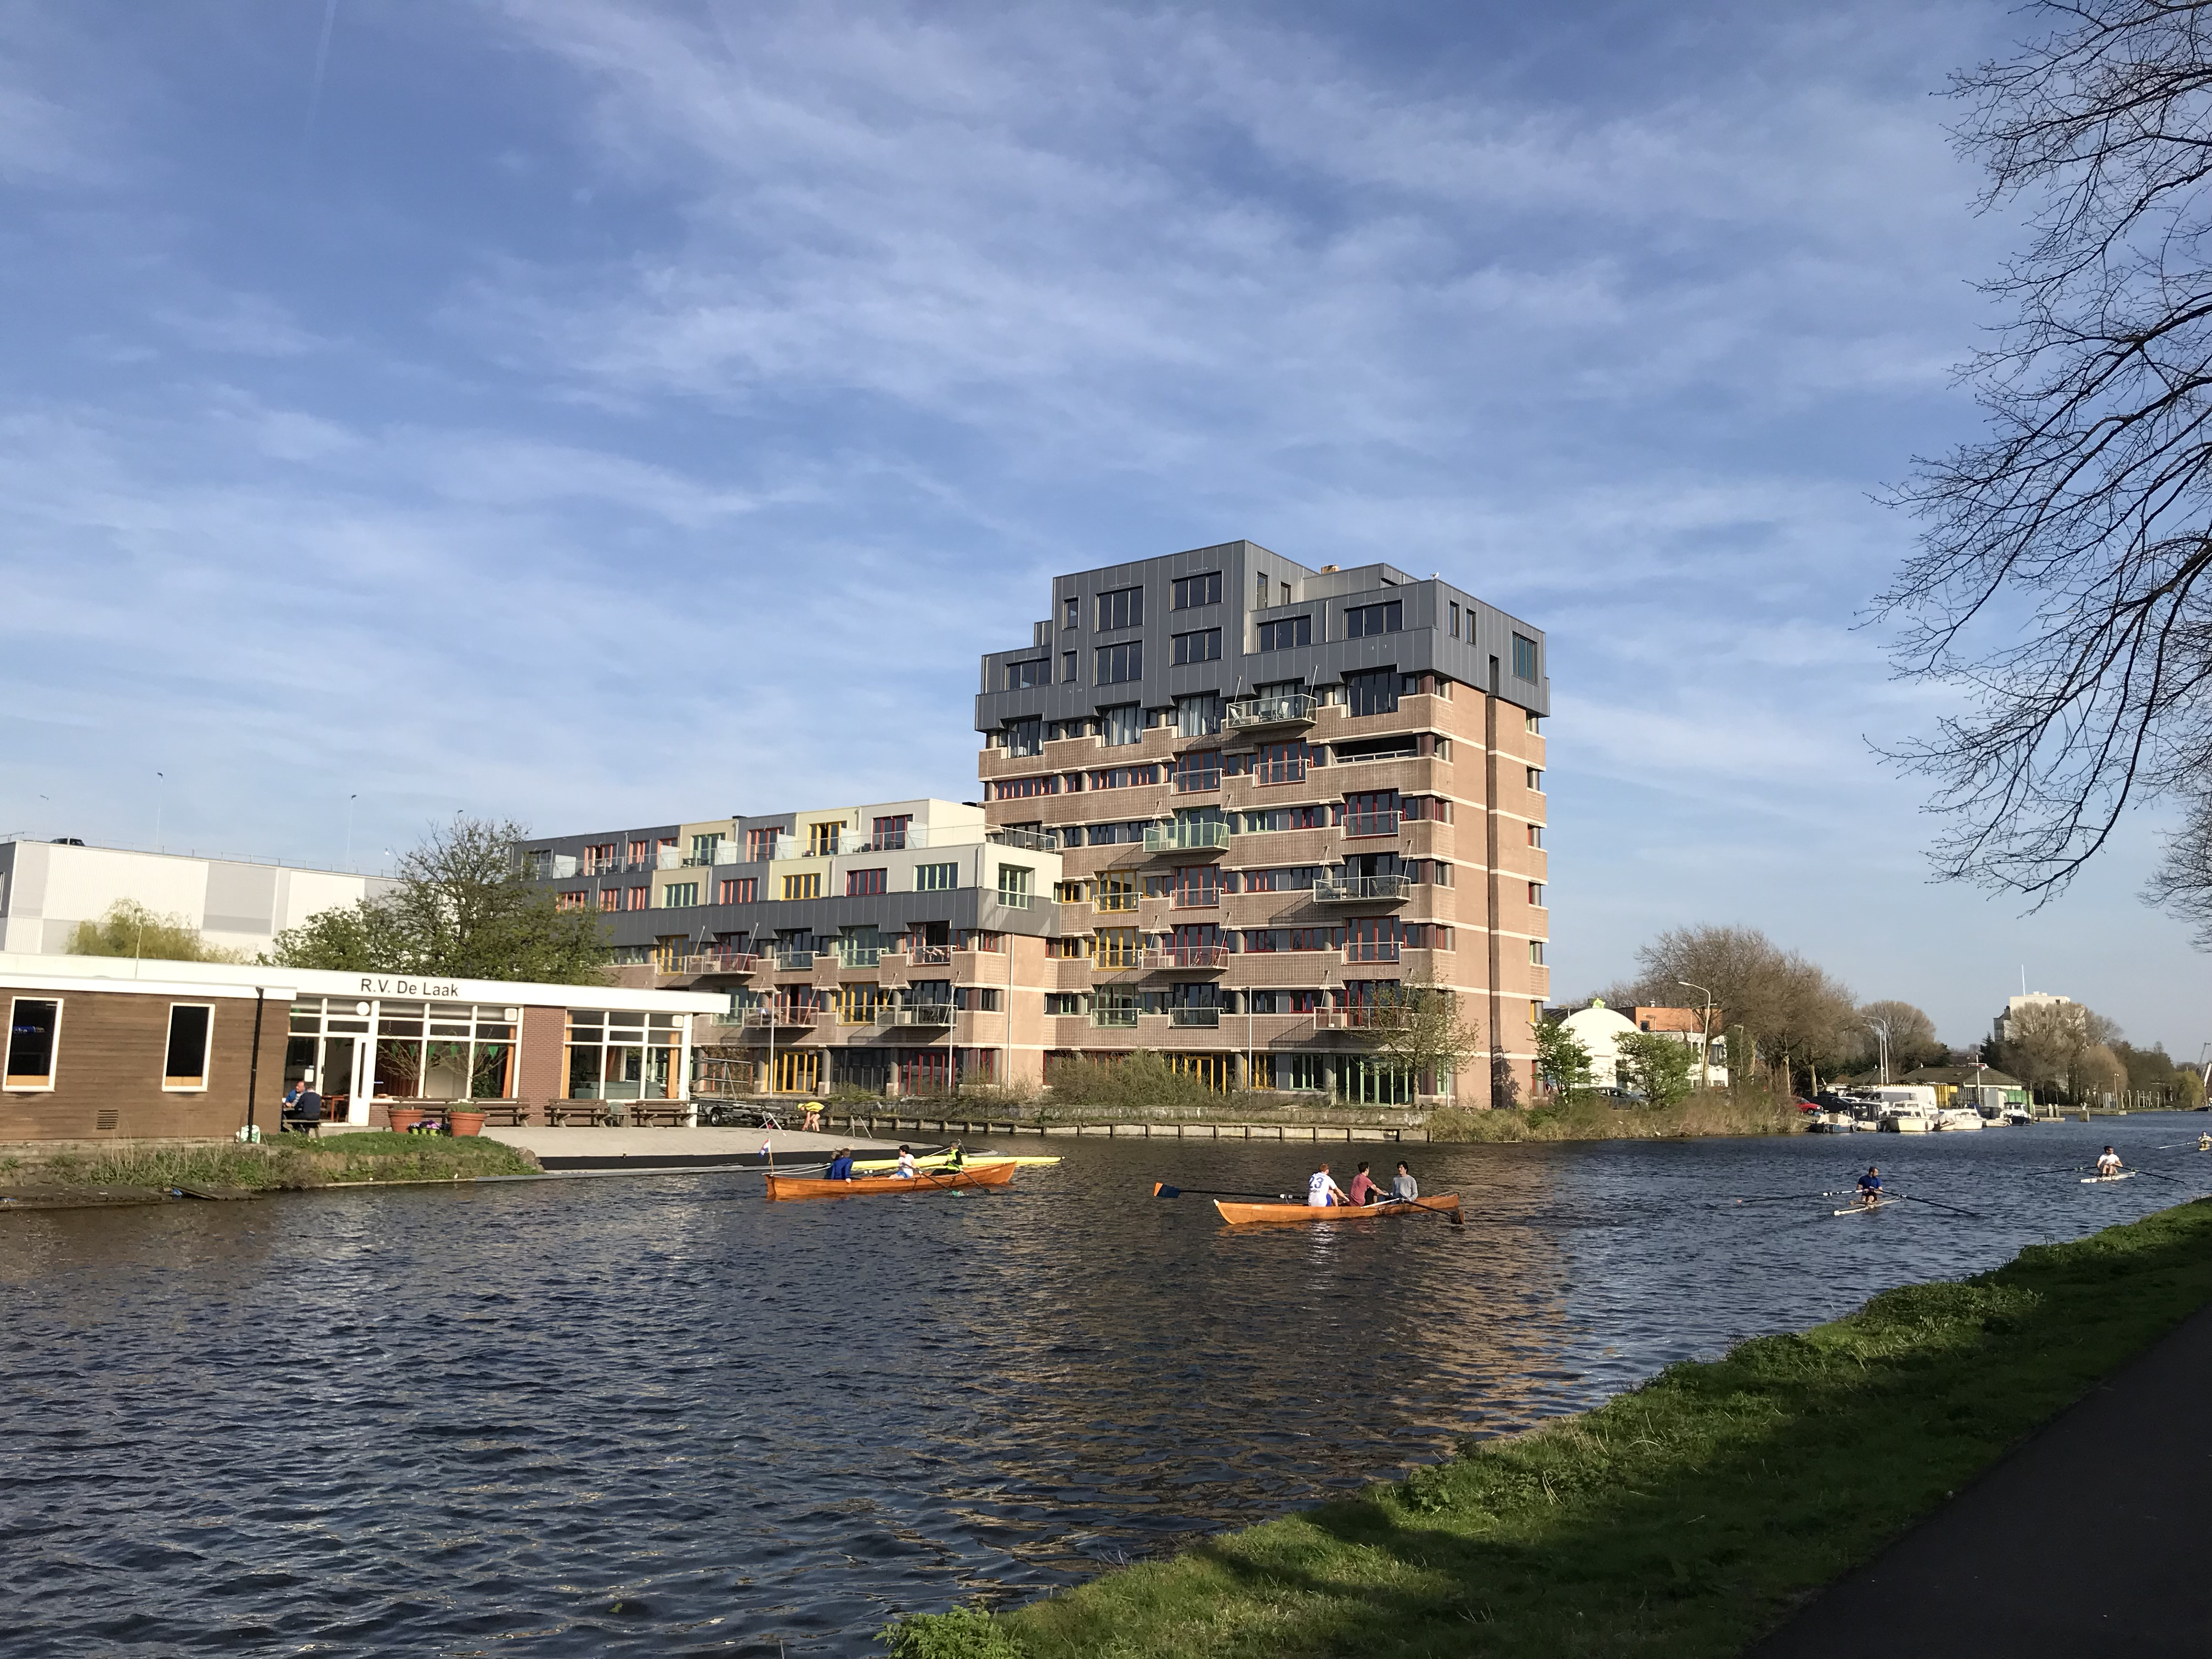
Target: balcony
[[1370, 823], [1194, 1017], [791, 961], [764, 1019], [1372, 950], [1362, 889], [1189, 959], [1120, 1019], [929, 955], [1118, 959], [1348, 1019], [927, 1013], [1271, 772], [723, 962], [1258, 713], [859, 956], [1028, 840], [1194, 783], [1116, 903], [1187, 836], [1194, 898]]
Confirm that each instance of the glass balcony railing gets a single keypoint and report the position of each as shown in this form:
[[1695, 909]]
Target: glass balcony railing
[[1362, 889], [929, 955], [1370, 823], [1194, 898], [927, 1014], [858, 956], [1297, 708], [788, 962], [1291, 771], [1116, 1018], [1372, 950], [1186, 836], [1114, 901], [1186, 1017], [1194, 783], [1030, 840], [1206, 957]]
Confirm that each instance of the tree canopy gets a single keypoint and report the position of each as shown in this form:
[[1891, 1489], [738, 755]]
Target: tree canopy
[[128, 928], [463, 908]]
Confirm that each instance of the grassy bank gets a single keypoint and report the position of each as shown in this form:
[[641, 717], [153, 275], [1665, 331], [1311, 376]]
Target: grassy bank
[[1681, 1519], [1714, 1113], [287, 1164]]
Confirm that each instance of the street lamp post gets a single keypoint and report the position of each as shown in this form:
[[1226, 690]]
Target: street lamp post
[[1705, 1037], [1880, 1030]]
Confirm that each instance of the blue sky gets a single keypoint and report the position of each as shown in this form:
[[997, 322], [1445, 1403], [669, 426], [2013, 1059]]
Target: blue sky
[[596, 411]]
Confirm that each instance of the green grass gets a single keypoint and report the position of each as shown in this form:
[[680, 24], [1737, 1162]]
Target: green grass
[[1594, 1118], [289, 1164], [1683, 1518]]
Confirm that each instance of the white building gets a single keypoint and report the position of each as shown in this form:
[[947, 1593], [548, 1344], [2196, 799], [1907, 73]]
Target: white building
[[2001, 1025], [46, 887], [1600, 1028]]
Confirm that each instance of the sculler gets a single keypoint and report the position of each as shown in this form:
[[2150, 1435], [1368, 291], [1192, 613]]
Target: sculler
[[1321, 1190], [1364, 1187], [2108, 1163], [841, 1165], [1870, 1186], [906, 1170]]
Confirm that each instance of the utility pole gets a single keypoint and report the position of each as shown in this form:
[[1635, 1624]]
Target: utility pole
[[1880, 1030], [1705, 1037]]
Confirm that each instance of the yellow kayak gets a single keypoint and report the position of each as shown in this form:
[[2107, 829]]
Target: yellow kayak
[[938, 1160]]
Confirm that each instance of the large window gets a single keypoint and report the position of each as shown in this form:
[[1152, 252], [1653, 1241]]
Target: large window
[[418, 1050], [680, 896], [1122, 608], [34, 1027], [1119, 664], [741, 889], [1524, 658], [1286, 634], [1014, 888], [865, 884], [760, 844], [802, 887], [936, 878], [1123, 723], [1203, 646], [1191, 592], [1360, 620], [1198, 715], [1026, 736], [1072, 612], [1036, 671], [1372, 694], [185, 1062], [620, 1056]]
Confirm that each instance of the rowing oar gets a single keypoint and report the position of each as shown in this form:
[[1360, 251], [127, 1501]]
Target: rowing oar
[[1789, 1198], [1971, 1215], [1161, 1189], [1452, 1216]]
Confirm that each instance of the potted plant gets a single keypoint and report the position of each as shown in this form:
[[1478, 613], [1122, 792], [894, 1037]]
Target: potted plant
[[404, 1118], [462, 1118]]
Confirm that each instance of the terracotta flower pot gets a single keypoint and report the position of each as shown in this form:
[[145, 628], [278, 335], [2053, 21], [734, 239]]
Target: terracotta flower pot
[[404, 1118], [464, 1123]]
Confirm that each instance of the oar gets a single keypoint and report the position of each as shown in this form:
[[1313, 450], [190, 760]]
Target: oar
[[1161, 1189], [1971, 1215], [1452, 1216], [1789, 1198]]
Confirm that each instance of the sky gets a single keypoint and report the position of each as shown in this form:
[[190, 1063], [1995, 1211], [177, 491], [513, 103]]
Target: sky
[[598, 412]]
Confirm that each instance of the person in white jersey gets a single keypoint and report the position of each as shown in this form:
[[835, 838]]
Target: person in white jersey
[[905, 1170], [2108, 1163], [1321, 1190]]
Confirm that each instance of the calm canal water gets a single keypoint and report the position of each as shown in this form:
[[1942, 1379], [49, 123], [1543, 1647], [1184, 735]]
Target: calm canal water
[[660, 1416]]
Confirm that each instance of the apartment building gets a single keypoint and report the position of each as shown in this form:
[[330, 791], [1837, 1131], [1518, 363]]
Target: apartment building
[[898, 947], [1277, 791]]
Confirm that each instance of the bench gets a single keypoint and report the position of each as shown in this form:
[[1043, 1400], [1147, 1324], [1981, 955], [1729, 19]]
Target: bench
[[647, 1115], [559, 1114], [503, 1114]]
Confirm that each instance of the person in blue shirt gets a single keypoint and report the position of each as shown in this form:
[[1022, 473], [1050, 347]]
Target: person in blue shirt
[[841, 1165], [1870, 1186]]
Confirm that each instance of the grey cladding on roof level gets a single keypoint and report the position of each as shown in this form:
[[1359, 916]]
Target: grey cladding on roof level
[[1424, 643]]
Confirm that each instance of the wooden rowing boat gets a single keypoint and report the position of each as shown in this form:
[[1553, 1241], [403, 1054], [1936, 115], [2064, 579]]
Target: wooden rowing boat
[[937, 1160], [976, 1175], [1239, 1215]]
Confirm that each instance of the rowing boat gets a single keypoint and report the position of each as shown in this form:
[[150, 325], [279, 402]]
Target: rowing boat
[[1238, 1215], [1861, 1209], [976, 1175], [938, 1161], [2097, 1180]]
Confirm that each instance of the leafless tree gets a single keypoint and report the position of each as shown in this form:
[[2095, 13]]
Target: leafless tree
[[1911, 1037], [2059, 1045], [2061, 579], [1789, 1006]]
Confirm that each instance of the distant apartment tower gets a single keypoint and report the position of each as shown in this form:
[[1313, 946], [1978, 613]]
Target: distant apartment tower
[[2000, 1027], [1276, 792], [872, 947]]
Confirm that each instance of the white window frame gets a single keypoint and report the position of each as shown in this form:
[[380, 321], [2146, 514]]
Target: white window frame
[[207, 1051], [53, 1058]]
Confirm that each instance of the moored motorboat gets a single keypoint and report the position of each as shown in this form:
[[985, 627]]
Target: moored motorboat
[[997, 1173], [1239, 1215], [1830, 1123], [1956, 1119]]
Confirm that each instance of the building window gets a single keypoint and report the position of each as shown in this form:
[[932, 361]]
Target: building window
[[760, 844], [1125, 777], [33, 1026], [1362, 620], [1455, 622], [1036, 671], [640, 852], [574, 901], [936, 878], [614, 1055], [1119, 947], [1067, 668], [1536, 779], [1372, 694], [1536, 722], [1259, 590], [1524, 658], [184, 1064], [1022, 788], [1302, 1071], [1122, 608], [1198, 715], [1197, 769], [867, 884], [1535, 834], [609, 898], [1203, 646], [706, 849], [1286, 634], [640, 897], [802, 887], [1014, 886], [1070, 613], [740, 889], [1536, 893], [889, 834], [1070, 892], [821, 838], [1119, 664], [1191, 592], [680, 896], [1124, 723], [1536, 952], [1025, 738]]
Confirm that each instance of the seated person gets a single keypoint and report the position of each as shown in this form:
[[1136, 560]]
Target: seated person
[[305, 1107], [841, 1165]]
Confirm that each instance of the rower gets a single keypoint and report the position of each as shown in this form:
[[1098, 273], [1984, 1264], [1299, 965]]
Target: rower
[[1870, 1186], [2108, 1163], [906, 1170], [841, 1165], [2205, 1143], [1364, 1189], [956, 1158], [1404, 1189], [1321, 1190]]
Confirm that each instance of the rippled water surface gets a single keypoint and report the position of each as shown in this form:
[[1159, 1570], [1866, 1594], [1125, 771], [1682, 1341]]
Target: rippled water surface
[[658, 1415]]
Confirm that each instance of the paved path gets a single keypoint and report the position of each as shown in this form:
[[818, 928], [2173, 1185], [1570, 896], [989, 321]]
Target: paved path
[[2092, 1539], [702, 1145]]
